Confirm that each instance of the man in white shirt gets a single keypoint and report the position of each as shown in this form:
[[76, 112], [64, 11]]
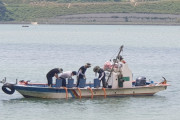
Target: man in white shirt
[[65, 75]]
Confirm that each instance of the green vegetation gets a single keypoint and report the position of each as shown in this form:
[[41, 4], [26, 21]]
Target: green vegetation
[[4, 13], [30, 10]]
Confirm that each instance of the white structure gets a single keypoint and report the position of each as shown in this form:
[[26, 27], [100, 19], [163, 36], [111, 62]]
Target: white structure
[[115, 76]]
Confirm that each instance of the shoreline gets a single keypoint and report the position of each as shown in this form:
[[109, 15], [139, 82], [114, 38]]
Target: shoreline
[[88, 24], [107, 19], [17, 23]]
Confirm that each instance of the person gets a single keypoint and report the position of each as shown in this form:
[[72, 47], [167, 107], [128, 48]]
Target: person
[[81, 72], [53, 73], [102, 75], [121, 62], [121, 59], [66, 75]]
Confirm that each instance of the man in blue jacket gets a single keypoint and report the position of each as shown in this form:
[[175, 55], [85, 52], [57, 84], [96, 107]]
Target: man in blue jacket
[[81, 73]]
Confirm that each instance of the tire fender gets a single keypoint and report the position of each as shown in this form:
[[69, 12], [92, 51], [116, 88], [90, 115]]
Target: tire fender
[[8, 88]]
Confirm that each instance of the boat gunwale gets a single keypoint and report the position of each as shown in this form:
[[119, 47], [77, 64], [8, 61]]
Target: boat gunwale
[[85, 88]]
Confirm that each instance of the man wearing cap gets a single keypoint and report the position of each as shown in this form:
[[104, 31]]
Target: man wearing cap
[[102, 75], [53, 73], [65, 75], [81, 72]]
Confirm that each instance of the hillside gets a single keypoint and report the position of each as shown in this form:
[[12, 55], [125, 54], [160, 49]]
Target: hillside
[[91, 11]]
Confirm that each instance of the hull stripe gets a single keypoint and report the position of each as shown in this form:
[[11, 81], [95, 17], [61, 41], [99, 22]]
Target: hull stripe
[[91, 92], [104, 92], [74, 93]]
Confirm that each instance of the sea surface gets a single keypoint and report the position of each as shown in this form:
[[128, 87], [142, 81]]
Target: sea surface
[[28, 53]]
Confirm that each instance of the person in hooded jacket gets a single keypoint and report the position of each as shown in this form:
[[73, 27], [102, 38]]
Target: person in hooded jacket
[[101, 76]]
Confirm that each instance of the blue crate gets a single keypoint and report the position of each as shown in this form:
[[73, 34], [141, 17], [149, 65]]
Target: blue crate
[[58, 83], [82, 83], [70, 83], [96, 83]]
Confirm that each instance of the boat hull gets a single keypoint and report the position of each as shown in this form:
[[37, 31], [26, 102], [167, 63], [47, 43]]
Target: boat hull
[[63, 92]]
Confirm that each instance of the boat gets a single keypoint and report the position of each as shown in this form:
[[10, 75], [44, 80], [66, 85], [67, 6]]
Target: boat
[[34, 23], [119, 83], [25, 25]]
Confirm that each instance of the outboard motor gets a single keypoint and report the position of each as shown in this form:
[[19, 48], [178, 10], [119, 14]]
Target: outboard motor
[[140, 81]]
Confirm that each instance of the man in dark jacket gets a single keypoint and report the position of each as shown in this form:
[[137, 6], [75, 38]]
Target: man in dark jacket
[[102, 75], [53, 73], [81, 73]]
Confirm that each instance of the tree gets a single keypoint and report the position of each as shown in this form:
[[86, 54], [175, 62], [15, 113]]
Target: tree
[[4, 13]]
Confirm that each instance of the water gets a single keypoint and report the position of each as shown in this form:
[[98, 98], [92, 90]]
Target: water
[[29, 53]]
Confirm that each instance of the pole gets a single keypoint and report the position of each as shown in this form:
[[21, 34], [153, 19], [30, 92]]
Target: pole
[[121, 49]]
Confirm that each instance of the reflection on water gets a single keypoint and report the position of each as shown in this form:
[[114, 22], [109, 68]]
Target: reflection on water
[[86, 108]]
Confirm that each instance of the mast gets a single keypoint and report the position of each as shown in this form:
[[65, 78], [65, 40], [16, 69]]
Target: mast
[[121, 49]]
